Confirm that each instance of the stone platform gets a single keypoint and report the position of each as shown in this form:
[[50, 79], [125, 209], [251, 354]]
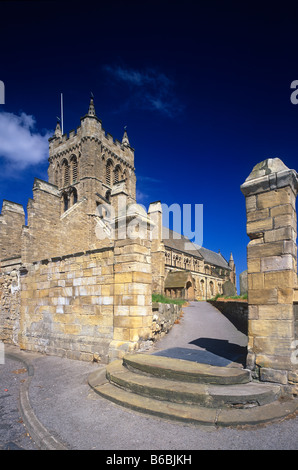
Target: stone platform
[[190, 392]]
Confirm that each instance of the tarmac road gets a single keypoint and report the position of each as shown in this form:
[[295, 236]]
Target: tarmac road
[[13, 433], [61, 411]]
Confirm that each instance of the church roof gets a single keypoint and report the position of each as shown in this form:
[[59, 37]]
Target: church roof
[[181, 243], [212, 257]]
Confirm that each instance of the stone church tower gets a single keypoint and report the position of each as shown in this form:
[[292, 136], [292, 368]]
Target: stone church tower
[[88, 163]]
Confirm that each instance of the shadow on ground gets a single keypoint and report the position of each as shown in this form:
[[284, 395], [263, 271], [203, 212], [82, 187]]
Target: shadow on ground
[[216, 352]]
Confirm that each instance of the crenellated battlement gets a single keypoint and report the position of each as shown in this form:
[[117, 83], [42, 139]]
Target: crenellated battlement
[[12, 219]]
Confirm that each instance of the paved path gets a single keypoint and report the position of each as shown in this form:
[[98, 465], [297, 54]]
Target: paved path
[[204, 335], [65, 412]]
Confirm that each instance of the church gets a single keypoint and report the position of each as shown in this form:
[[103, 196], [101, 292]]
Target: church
[[204, 271], [67, 284]]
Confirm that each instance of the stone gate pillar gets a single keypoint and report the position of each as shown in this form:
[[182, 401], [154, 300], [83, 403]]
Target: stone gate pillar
[[132, 311], [270, 191]]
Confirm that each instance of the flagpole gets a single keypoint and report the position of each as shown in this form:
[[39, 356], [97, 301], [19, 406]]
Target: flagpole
[[62, 113]]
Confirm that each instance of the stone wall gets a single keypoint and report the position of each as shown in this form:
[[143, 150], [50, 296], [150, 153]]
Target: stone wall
[[164, 317], [67, 306], [92, 305], [235, 311], [78, 307], [10, 302]]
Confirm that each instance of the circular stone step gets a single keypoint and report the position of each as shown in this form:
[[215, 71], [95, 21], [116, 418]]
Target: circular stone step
[[212, 396], [195, 414], [186, 371]]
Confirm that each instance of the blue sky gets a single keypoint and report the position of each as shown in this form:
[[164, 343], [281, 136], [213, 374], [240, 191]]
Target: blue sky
[[203, 88]]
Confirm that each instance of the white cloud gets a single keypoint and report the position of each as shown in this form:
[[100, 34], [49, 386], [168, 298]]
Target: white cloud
[[149, 89], [20, 144], [138, 78], [149, 179]]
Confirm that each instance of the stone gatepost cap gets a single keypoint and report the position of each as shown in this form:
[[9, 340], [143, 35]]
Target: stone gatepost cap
[[268, 175], [155, 207]]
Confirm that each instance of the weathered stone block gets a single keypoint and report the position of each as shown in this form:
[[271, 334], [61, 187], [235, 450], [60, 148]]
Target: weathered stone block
[[290, 247], [140, 310], [142, 277], [284, 220], [128, 322], [139, 333], [273, 361], [259, 226], [281, 279], [265, 249], [272, 346], [271, 328], [273, 375], [285, 295], [251, 203], [121, 310], [281, 210], [133, 267], [253, 312], [121, 334], [282, 233], [254, 265], [258, 215], [293, 376], [277, 263], [274, 198], [276, 312], [262, 296], [71, 329], [255, 280], [123, 277]]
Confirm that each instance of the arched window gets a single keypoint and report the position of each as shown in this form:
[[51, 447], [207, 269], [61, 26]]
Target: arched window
[[65, 173], [109, 166], [117, 173], [73, 196], [108, 195], [65, 202], [74, 169]]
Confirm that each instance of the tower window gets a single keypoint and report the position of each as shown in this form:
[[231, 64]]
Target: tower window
[[117, 173], [108, 196], [74, 196], [65, 202], [74, 168], [65, 168], [108, 172]]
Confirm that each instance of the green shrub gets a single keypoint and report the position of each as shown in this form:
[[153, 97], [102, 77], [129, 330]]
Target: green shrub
[[166, 300], [240, 297]]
